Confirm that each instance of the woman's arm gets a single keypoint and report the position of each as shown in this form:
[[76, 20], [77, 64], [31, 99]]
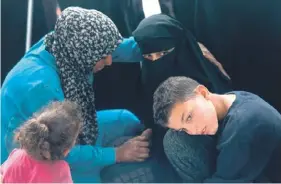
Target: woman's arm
[[208, 55], [86, 157], [81, 157], [128, 51]]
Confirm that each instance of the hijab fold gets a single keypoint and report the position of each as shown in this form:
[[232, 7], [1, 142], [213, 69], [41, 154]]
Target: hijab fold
[[160, 33], [81, 38]]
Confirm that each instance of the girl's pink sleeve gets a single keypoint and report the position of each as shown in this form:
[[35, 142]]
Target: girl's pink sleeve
[[67, 178]]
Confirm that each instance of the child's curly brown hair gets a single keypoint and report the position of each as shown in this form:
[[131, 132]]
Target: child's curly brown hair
[[51, 132]]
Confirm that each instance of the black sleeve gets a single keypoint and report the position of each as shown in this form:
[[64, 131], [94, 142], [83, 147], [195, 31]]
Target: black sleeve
[[245, 154]]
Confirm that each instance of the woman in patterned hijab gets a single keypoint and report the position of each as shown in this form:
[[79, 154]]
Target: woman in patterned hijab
[[82, 43], [60, 67], [81, 39]]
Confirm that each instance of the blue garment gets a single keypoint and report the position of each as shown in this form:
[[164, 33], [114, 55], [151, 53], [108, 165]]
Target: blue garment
[[33, 83], [127, 51]]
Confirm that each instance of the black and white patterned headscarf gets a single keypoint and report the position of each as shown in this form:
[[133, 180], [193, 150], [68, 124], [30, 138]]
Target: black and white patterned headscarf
[[81, 38]]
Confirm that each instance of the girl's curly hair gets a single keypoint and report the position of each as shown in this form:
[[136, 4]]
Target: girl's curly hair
[[52, 131]]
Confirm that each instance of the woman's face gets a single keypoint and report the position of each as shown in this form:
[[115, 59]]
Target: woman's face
[[157, 55], [107, 61]]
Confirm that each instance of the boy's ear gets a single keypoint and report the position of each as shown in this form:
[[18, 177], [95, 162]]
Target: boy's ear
[[202, 90]]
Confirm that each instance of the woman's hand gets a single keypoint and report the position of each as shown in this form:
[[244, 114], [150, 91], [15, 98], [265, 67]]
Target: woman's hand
[[208, 55], [135, 149]]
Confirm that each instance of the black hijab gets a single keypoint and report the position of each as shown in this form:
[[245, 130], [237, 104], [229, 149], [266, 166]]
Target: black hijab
[[159, 33]]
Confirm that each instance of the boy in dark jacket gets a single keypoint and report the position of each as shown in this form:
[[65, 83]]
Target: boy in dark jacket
[[247, 129]]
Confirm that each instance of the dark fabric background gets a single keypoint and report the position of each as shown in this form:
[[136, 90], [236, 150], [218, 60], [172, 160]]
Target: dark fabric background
[[13, 31], [243, 35]]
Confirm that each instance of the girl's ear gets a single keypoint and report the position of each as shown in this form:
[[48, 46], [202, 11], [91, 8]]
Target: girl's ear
[[65, 153]]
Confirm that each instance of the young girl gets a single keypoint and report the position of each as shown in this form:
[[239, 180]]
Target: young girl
[[44, 140]]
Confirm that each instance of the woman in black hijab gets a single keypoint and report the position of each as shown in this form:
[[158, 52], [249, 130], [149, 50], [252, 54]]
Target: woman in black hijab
[[170, 50], [176, 52]]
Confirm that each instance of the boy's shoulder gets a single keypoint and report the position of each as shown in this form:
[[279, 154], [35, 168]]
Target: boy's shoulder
[[249, 120], [252, 112], [249, 105]]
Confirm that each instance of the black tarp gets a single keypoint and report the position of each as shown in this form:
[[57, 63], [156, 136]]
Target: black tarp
[[13, 30]]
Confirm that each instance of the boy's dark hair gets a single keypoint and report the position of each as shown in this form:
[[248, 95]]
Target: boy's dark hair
[[50, 132], [170, 92]]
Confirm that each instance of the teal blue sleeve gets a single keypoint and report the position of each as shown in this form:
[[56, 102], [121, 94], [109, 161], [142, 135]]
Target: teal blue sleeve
[[23, 107], [128, 51], [84, 158]]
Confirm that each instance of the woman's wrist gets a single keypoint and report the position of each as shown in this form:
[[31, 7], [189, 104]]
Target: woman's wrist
[[118, 155]]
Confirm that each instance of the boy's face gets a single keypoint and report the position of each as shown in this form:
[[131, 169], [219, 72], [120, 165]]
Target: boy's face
[[197, 116]]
